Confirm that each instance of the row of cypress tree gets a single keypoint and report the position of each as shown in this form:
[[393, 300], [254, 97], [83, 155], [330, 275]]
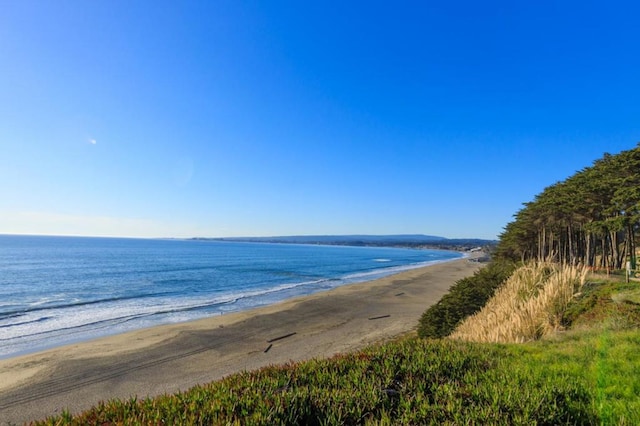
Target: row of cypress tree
[[591, 218]]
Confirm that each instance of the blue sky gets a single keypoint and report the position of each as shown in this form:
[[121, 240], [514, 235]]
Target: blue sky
[[258, 118]]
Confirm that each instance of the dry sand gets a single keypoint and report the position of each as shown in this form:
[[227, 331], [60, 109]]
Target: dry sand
[[170, 358]]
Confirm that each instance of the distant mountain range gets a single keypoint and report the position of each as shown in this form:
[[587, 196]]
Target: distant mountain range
[[405, 240]]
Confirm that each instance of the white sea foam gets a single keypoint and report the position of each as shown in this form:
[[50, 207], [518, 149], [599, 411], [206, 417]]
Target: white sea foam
[[370, 275]]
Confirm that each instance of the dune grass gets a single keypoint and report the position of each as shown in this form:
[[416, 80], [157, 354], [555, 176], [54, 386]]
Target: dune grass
[[529, 305], [466, 297]]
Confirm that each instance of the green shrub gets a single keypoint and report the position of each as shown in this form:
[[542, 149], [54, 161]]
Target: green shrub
[[610, 305]]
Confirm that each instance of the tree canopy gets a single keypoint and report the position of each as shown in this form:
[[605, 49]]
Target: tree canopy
[[591, 218]]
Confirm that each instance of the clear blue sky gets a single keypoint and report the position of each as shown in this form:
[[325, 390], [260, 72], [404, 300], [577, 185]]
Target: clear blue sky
[[256, 118]]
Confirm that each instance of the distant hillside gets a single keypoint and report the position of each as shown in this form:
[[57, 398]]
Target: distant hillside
[[403, 240]]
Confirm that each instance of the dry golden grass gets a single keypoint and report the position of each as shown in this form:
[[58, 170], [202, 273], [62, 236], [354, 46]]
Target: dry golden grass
[[529, 305]]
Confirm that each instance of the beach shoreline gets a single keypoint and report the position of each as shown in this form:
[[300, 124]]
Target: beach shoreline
[[174, 357], [83, 289]]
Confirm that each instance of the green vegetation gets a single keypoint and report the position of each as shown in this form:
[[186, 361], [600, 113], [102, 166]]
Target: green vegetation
[[607, 363], [603, 346], [605, 305], [466, 297]]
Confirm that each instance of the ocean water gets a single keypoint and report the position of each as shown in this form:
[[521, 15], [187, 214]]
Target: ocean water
[[60, 290]]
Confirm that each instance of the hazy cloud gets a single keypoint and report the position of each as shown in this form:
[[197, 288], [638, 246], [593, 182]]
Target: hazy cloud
[[93, 141], [53, 223]]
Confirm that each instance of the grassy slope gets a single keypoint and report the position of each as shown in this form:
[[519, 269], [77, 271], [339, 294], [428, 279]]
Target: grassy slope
[[587, 375]]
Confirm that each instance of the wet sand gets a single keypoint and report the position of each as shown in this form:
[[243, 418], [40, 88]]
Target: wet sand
[[169, 358]]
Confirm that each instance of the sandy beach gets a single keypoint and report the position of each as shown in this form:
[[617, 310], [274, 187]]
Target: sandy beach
[[170, 358]]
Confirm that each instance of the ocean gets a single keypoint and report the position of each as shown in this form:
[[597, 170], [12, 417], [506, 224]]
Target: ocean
[[60, 290]]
